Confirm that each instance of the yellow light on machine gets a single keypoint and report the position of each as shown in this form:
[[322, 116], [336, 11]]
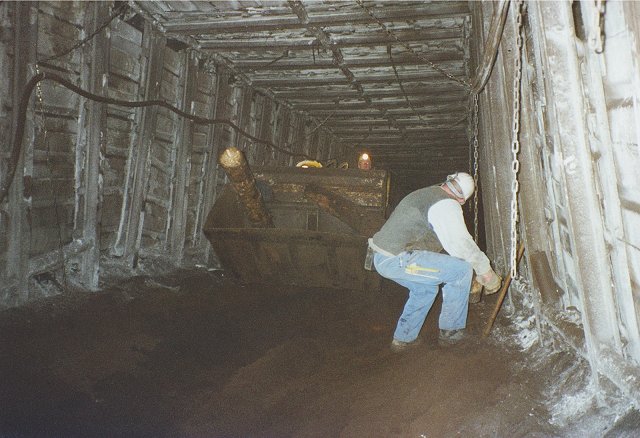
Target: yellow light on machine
[[364, 162], [308, 163]]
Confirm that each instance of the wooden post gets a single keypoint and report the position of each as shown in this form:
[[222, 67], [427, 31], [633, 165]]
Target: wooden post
[[97, 58], [239, 173], [210, 178], [243, 111], [134, 202], [19, 197], [266, 130], [284, 127], [183, 162]]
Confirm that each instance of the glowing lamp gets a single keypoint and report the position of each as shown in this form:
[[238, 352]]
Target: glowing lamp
[[364, 162]]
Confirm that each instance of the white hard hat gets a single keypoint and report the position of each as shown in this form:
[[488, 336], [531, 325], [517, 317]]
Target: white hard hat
[[461, 184]]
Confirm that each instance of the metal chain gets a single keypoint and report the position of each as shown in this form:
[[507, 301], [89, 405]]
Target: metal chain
[[409, 48], [515, 145], [475, 166], [42, 118], [596, 41]]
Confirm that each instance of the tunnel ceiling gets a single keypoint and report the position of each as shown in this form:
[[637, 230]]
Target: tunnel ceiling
[[383, 76]]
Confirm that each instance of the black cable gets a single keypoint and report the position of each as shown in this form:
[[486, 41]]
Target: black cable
[[406, 46], [24, 103], [117, 12], [395, 71], [404, 93], [285, 54], [306, 135]]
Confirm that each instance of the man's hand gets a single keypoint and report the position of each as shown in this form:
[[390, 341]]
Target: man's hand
[[491, 282]]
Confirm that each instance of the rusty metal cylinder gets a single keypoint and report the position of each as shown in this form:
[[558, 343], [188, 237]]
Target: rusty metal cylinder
[[237, 168]]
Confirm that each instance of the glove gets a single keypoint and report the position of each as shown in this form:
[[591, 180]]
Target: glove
[[491, 282]]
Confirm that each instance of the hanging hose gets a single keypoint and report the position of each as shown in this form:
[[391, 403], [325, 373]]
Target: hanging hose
[[491, 48], [14, 157]]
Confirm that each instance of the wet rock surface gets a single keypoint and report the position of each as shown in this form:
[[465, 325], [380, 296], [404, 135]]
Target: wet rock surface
[[195, 354]]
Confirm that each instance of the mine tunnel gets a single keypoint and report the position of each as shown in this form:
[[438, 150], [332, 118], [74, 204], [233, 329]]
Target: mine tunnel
[[193, 195]]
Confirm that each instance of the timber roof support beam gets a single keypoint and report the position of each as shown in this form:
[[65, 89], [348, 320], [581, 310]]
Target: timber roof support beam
[[278, 23]]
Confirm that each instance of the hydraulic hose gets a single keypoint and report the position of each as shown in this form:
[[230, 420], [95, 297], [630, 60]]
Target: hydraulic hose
[[491, 48]]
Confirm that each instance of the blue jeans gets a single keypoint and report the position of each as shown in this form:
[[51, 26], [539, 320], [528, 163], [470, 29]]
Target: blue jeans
[[422, 272]]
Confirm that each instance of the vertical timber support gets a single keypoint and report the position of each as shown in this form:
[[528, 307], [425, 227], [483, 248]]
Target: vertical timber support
[[208, 174], [565, 80], [153, 46], [266, 130], [494, 131], [237, 100], [19, 197], [297, 137], [97, 62], [244, 120], [216, 138], [183, 161], [284, 129], [211, 166]]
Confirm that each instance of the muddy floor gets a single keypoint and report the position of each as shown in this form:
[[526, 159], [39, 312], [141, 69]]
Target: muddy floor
[[195, 354]]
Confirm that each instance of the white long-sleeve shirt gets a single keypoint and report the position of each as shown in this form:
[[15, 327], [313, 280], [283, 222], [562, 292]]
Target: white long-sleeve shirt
[[447, 220]]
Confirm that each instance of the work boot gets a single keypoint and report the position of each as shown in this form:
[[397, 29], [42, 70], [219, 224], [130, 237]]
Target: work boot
[[398, 346], [450, 337]]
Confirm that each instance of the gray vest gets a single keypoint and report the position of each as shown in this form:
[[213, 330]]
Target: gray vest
[[407, 227]]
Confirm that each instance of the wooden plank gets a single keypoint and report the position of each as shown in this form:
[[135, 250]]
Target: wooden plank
[[302, 63], [55, 259], [303, 80], [343, 92], [425, 107], [264, 130], [329, 108], [445, 44], [111, 206], [298, 139], [123, 63], [173, 63], [124, 89], [282, 134], [329, 18]]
